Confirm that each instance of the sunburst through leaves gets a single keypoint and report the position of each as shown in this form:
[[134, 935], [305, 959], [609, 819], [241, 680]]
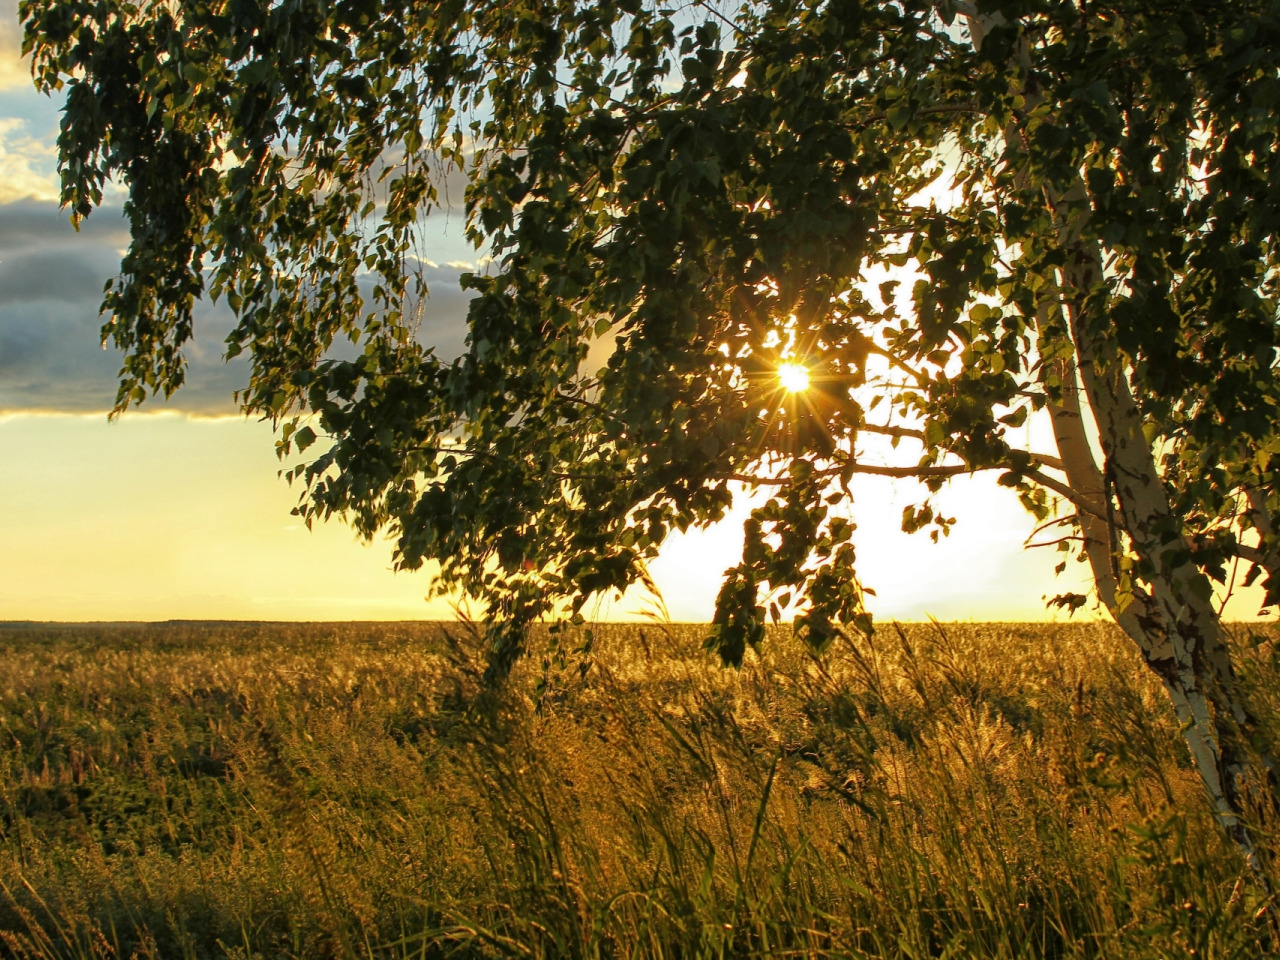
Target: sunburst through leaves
[[794, 377]]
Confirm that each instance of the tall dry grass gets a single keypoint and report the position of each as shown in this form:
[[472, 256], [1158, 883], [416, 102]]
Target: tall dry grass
[[352, 791]]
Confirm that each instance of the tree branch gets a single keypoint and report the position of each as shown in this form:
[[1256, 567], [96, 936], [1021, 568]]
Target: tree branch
[[1070, 538], [1250, 554], [1048, 460], [1064, 491], [1039, 459], [888, 431], [901, 473]]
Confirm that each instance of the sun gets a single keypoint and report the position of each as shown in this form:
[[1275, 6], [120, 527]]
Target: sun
[[794, 377]]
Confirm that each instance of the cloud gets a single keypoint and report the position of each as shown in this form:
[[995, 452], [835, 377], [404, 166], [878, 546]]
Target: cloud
[[30, 225], [442, 319], [28, 164], [15, 70], [51, 280], [51, 276]]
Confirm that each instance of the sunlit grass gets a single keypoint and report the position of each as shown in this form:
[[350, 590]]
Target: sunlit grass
[[338, 791]]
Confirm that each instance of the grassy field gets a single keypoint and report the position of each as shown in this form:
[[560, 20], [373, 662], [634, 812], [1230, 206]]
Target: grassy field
[[321, 791]]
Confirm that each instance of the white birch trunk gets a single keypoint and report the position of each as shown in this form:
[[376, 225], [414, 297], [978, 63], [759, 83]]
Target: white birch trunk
[[1172, 621]]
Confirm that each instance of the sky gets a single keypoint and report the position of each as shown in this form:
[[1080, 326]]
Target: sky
[[176, 511]]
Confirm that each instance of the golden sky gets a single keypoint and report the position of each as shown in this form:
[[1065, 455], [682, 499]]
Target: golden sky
[[169, 515], [177, 511]]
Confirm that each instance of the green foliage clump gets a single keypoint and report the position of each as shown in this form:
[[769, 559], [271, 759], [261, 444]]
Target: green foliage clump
[[335, 791]]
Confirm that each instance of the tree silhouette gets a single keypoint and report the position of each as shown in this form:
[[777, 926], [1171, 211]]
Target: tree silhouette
[[1081, 198]]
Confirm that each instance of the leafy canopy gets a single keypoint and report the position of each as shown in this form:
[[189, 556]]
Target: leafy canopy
[[676, 202]]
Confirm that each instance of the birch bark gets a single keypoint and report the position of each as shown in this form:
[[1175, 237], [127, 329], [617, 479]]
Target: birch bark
[[1163, 602], [1172, 621]]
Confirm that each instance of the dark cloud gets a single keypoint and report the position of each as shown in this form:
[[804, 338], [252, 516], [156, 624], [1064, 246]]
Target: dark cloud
[[36, 224], [441, 319], [49, 275], [51, 280]]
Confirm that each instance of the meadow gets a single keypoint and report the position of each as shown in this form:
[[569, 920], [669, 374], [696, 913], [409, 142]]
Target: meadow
[[311, 791]]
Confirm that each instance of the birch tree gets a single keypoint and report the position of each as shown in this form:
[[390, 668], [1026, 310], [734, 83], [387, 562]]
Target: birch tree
[[767, 247]]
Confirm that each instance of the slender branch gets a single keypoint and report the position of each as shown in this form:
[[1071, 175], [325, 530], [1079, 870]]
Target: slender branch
[[911, 472], [1055, 522], [866, 469], [1231, 584], [1070, 538], [720, 16], [1250, 554], [914, 473], [1062, 490], [453, 451], [1048, 460], [902, 473], [1038, 459], [885, 430]]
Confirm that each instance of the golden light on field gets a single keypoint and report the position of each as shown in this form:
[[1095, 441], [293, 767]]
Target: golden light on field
[[794, 377]]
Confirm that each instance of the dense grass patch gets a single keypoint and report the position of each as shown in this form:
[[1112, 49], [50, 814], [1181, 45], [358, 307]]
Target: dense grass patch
[[351, 790]]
